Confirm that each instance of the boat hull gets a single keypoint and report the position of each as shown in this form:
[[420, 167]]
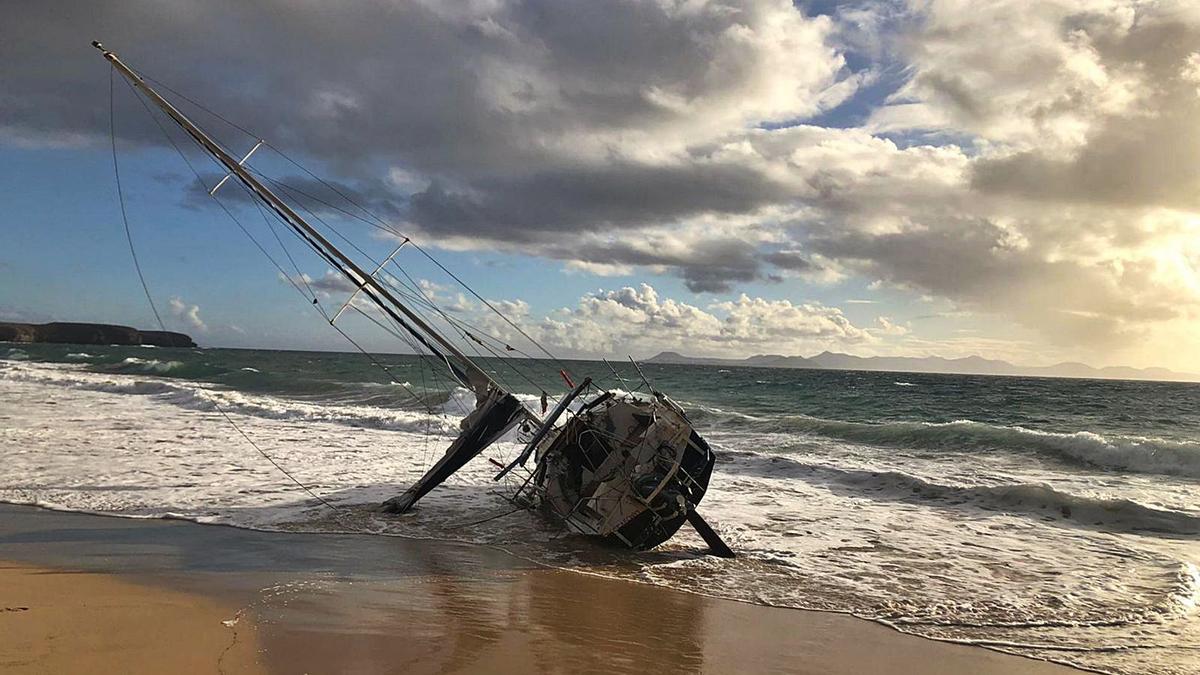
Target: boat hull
[[625, 467]]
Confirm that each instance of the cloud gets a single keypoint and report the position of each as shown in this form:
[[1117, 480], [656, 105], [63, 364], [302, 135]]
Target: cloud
[[331, 282], [640, 321], [1051, 185], [1074, 211], [1050, 93], [188, 314], [889, 327], [323, 286], [1142, 153], [533, 122]]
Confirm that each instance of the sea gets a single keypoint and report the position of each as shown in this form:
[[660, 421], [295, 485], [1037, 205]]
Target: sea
[[1054, 518]]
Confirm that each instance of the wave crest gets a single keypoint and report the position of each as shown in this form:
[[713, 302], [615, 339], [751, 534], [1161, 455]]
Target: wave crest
[[198, 397], [134, 364], [1036, 499], [1132, 454]]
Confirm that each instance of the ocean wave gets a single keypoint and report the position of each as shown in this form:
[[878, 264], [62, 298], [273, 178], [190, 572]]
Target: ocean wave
[[714, 416], [1036, 499], [147, 365], [1128, 453], [1185, 599], [16, 355], [200, 397], [79, 355], [459, 401]]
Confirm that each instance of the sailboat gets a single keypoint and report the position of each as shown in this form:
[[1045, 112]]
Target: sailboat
[[626, 466]]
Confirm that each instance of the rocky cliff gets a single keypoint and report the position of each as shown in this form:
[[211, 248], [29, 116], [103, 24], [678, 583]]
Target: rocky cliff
[[90, 334]]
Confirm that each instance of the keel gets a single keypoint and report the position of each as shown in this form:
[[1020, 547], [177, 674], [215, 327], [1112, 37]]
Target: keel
[[715, 544]]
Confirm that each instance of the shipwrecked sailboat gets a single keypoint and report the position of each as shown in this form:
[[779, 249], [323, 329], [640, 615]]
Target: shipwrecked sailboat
[[626, 466]]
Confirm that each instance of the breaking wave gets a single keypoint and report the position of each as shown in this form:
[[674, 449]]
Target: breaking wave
[[134, 364], [1129, 453], [1185, 599], [198, 397], [1035, 499]]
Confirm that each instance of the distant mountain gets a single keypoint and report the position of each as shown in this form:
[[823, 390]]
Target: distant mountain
[[971, 365]]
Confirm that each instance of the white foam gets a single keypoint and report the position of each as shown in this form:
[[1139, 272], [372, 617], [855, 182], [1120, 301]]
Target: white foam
[[198, 396], [151, 365]]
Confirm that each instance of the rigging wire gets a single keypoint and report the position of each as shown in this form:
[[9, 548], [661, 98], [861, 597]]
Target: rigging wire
[[112, 132], [379, 222], [382, 225], [275, 464], [312, 245], [121, 198], [320, 310], [454, 323], [422, 402]]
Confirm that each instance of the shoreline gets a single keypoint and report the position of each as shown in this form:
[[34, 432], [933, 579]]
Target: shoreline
[[332, 602]]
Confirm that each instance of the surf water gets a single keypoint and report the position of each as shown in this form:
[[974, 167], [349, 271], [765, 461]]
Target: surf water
[[1054, 518]]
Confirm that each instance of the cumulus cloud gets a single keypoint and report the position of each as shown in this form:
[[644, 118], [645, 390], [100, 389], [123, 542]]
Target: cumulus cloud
[[1049, 93], [640, 321], [889, 327], [189, 315]]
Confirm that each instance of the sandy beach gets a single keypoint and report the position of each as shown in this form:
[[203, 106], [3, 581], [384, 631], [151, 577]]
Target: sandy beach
[[97, 594], [59, 621]]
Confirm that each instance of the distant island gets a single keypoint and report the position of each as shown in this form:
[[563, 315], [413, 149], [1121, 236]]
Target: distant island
[[971, 365], [90, 334]]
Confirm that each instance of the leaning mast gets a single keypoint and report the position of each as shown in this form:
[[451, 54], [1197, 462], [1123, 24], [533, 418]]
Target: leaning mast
[[474, 376]]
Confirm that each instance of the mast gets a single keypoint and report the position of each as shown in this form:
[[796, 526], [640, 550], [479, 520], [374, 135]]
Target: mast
[[474, 377]]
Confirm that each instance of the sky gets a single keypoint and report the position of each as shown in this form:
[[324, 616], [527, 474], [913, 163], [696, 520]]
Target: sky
[[1014, 179]]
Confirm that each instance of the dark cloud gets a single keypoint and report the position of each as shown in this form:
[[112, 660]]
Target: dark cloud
[[795, 261], [323, 198], [707, 266], [525, 121], [617, 195]]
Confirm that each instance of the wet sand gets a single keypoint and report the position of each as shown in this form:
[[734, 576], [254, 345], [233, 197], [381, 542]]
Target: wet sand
[[113, 595], [54, 621]]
